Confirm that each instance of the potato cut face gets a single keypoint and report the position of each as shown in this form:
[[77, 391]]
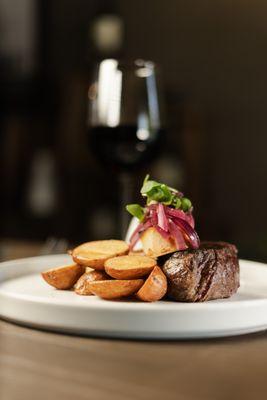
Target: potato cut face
[[115, 289], [103, 247], [154, 245], [92, 260], [82, 286], [129, 267], [63, 277], [155, 287], [94, 254]]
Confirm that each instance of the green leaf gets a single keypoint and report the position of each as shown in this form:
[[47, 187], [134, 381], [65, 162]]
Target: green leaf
[[136, 210], [167, 196], [186, 204], [177, 202], [146, 179], [161, 193], [148, 186], [157, 192]]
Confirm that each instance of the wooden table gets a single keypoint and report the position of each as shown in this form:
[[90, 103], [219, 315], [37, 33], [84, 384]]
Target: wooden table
[[40, 365], [36, 365]]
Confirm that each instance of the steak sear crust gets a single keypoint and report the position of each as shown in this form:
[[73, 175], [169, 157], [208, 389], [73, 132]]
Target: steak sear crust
[[208, 273]]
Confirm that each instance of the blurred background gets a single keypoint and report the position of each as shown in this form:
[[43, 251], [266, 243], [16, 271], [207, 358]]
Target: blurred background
[[213, 63]]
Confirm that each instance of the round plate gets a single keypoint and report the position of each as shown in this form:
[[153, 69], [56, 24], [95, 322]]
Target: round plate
[[26, 298]]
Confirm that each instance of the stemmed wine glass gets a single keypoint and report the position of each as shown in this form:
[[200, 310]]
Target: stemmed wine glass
[[125, 120]]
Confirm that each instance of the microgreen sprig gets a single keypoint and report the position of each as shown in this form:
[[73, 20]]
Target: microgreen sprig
[[156, 192]]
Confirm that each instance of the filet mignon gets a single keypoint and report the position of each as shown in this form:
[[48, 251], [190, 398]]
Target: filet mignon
[[208, 273]]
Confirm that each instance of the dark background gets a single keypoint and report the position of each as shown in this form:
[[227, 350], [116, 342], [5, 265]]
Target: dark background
[[214, 71]]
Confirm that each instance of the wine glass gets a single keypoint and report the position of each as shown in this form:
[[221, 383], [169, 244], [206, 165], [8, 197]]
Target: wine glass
[[125, 120]]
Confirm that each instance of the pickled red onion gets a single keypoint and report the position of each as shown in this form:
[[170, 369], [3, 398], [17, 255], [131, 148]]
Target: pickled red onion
[[169, 222]]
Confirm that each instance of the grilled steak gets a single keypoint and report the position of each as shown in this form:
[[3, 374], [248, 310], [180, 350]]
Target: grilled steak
[[208, 273]]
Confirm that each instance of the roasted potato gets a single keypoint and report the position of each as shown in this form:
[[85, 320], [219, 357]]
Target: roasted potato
[[129, 267], [115, 289], [63, 277], [82, 285], [155, 245], [94, 254], [155, 287]]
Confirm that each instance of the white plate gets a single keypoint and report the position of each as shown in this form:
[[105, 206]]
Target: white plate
[[27, 299]]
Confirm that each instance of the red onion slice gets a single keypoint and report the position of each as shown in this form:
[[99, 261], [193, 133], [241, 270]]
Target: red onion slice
[[135, 235], [190, 220], [171, 212], [180, 214], [147, 225], [134, 239], [189, 232], [154, 218], [152, 206], [177, 235], [169, 222], [162, 219]]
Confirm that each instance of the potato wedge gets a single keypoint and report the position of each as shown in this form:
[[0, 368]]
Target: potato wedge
[[94, 254], [155, 287], [129, 267], [63, 277], [115, 289], [82, 285], [154, 245]]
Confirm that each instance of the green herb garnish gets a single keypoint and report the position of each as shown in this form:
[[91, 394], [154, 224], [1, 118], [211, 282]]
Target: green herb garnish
[[186, 204], [136, 211], [156, 192]]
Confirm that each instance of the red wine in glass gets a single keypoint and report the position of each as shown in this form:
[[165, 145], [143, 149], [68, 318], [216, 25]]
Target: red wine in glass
[[125, 147], [125, 120]]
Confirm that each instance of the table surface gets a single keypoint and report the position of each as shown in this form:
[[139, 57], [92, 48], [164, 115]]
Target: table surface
[[43, 365]]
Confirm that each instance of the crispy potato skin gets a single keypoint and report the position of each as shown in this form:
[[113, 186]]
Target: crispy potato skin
[[155, 287], [154, 245], [115, 289], [94, 254], [82, 286], [129, 267], [63, 277]]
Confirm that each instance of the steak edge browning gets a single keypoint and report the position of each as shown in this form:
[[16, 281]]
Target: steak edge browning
[[208, 273]]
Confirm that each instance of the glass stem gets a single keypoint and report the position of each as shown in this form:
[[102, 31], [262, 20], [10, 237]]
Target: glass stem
[[126, 185]]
